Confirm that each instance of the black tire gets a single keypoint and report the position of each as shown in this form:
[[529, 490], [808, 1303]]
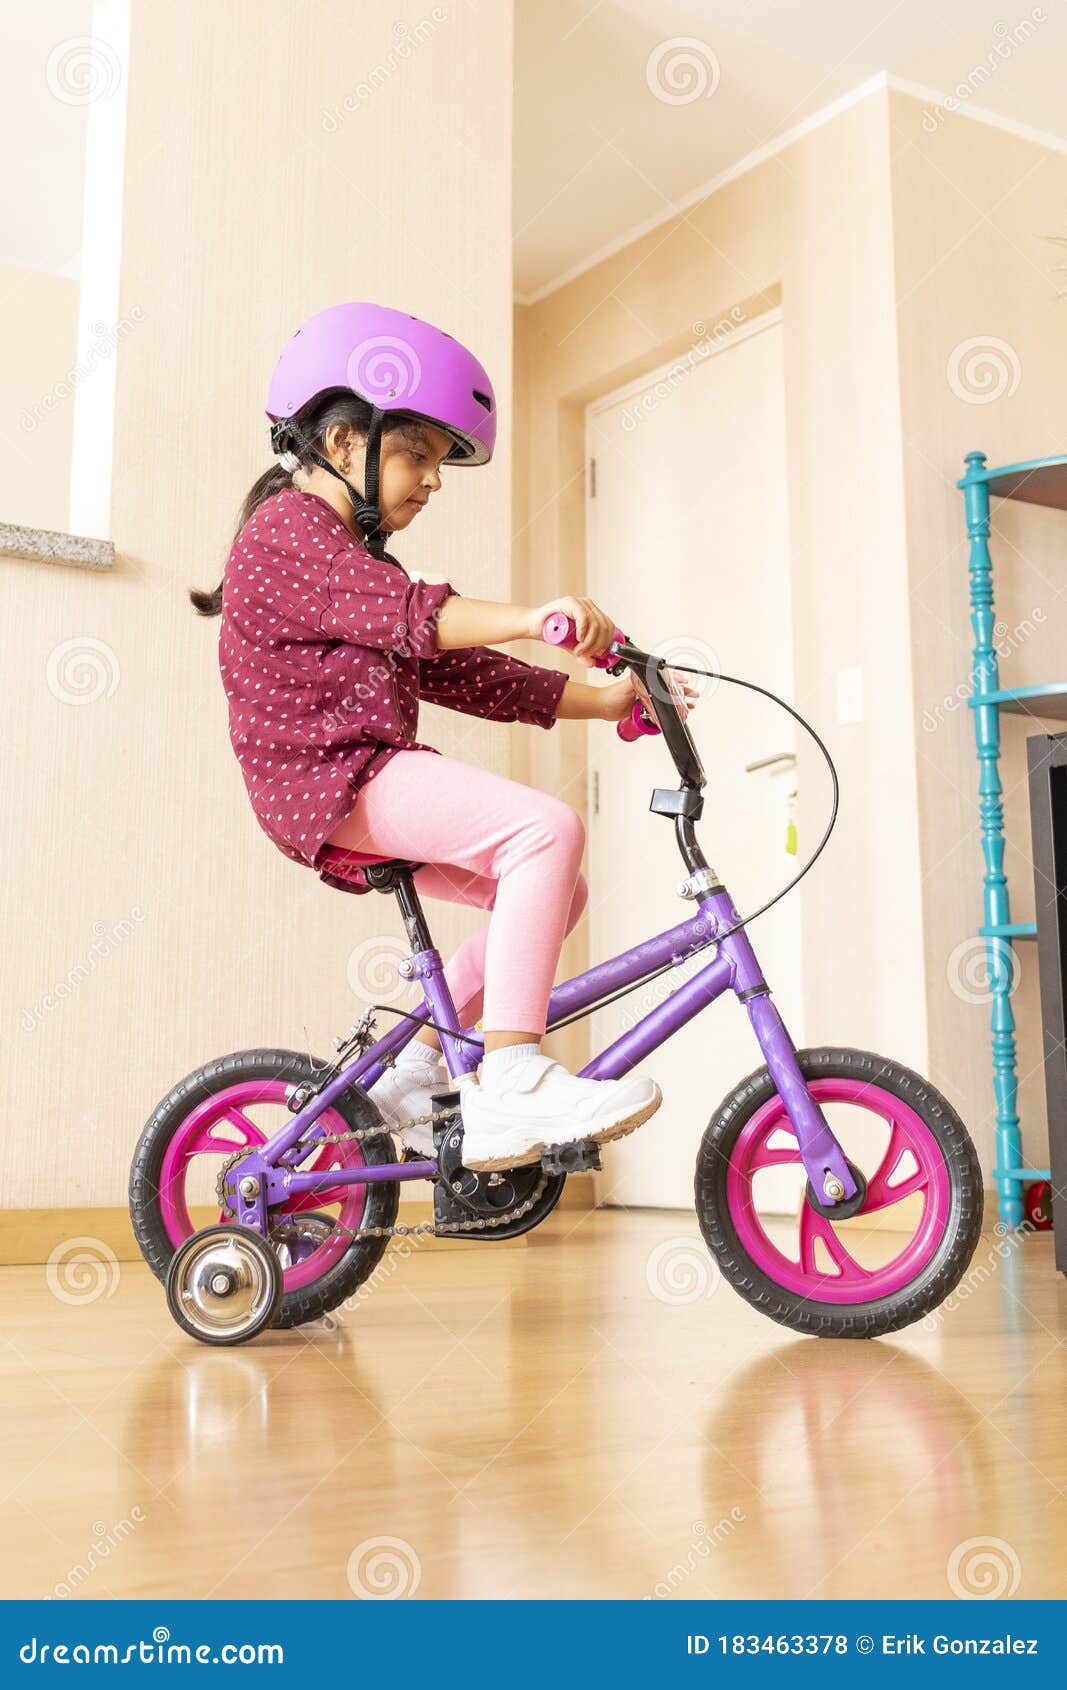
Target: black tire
[[840, 1320], [356, 1264]]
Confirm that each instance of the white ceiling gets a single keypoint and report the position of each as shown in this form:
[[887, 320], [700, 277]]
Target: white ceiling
[[599, 153]]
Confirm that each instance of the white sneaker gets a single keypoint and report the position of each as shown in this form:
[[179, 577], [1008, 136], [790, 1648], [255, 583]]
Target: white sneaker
[[508, 1121], [402, 1096]]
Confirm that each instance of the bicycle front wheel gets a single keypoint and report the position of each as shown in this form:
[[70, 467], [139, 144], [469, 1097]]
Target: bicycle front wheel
[[906, 1248]]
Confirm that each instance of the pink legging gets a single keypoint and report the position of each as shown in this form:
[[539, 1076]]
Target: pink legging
[[492, 843]]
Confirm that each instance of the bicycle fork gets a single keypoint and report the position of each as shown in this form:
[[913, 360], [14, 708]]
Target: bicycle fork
[[824, 1161]]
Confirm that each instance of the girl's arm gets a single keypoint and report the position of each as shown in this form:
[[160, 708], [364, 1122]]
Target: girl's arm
[[477, 622], [580, 703]]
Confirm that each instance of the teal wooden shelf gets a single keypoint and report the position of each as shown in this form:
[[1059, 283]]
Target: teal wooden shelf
[[1041, 481], [1019, 699]]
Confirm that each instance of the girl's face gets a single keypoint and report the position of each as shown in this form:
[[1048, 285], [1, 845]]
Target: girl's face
[[411, 455], [410, 463]]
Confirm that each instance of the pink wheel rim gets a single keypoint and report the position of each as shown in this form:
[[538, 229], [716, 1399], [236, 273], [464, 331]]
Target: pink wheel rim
[[851, 1282], [218, 1127]]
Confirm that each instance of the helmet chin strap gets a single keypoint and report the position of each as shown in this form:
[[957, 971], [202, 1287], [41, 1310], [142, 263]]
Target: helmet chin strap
[[285, 436]]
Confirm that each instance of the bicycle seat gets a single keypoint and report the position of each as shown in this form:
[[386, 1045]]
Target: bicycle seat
[[337, 864], [338, 858]]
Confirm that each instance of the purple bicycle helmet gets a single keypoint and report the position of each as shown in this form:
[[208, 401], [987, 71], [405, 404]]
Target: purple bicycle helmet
[[399, 364]]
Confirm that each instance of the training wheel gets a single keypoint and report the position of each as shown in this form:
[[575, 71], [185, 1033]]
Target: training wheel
[[224, 1285]]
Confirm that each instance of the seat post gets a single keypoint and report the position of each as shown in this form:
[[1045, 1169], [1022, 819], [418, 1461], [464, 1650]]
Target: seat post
[[398, 877]]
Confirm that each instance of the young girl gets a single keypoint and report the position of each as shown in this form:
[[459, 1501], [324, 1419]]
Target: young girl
[[326, 647]]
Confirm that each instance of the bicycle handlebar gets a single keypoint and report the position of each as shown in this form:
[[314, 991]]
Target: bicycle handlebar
[[559, 629]]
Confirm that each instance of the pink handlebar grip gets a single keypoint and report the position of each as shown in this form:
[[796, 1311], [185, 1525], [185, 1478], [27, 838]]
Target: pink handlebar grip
[[558, 629], [636, 724]]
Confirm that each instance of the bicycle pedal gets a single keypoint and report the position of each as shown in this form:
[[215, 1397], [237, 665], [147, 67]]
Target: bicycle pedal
[[580, 1156]]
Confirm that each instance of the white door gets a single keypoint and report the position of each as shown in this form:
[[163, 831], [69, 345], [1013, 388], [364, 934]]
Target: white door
[[688, 549]]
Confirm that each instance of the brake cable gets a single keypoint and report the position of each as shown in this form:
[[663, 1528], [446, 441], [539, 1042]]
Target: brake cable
[[665, 968]]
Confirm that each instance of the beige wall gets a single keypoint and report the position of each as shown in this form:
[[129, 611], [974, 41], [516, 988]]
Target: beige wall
[[40, 355], [161, 921], [962, 276], [871, 235], [163, 926], [810, 229]]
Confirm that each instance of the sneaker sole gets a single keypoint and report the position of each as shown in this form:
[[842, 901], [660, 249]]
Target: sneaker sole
[[631, 1123], [506, 1159], [618, 1129]]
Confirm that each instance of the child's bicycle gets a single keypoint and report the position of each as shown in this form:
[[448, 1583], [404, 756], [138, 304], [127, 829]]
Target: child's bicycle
[[306, 1179]]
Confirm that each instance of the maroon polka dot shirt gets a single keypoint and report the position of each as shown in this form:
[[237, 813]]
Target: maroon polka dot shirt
[[325, 653]]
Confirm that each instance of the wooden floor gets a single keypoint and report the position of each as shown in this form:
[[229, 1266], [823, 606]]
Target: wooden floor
[[588, 1416]]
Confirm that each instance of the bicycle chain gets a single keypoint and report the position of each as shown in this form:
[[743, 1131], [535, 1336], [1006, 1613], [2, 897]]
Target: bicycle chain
[[478, 1223]]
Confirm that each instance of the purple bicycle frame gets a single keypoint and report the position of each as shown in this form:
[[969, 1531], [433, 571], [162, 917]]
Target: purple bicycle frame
[[734, 967]]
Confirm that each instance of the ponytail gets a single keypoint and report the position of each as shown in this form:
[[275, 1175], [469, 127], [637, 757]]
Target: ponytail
[[333, 405], [270, 482]]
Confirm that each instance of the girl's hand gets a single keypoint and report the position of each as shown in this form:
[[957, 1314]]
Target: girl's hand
[[618, 698], [594, 628]]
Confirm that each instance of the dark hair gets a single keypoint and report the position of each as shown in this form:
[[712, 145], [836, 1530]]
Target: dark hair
[[336, 405]]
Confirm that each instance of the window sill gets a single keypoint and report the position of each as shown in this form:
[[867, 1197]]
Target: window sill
[[45, 545]]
